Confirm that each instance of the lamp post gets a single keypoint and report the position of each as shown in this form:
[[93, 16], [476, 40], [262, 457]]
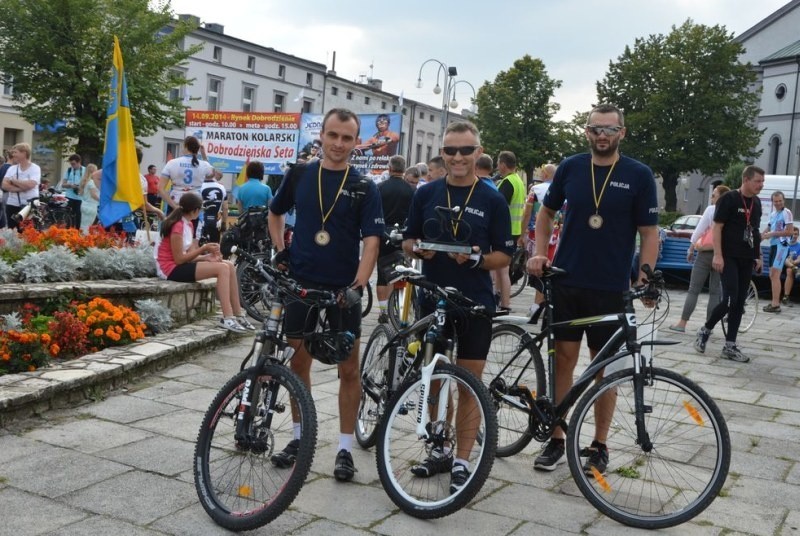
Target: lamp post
[[454, 101], [449, 73]]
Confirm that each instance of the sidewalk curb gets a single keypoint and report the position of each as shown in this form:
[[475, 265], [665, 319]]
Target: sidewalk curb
[[70, 382]]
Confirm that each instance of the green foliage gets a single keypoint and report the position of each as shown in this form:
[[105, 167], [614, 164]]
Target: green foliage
[[57, 55], [55, 264], [686, 100], [733, 175], [665, 219], [515, 113]]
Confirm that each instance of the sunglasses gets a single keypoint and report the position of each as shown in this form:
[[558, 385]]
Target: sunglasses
[[465, 150], [608, 131]]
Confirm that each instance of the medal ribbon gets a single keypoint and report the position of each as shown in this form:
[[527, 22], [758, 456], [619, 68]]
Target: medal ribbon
[[454, 225], [319, 184], [603, 190], [747, 210]]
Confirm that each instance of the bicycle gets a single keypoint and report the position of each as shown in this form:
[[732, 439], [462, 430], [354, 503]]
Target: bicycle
[[750, 310], [238, 482], [517, 271], [409, 398], [402, 306], [669, 439], [51, 208]]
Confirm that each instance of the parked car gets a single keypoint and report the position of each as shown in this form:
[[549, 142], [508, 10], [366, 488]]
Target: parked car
[[684, 226]]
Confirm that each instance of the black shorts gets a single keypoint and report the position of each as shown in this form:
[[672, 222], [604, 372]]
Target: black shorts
[[473, 335], [184, 273], [302, 319], [570, 303], [387, 254]]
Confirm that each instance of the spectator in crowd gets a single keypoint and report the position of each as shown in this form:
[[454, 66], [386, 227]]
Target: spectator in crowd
[[185, 173], [792, 266], [70, 185], [4, 167], [512, 188], [253, 193], [152, 186], [89, 189], [778, 231], [21, 182], [411, 176], [215, 209]]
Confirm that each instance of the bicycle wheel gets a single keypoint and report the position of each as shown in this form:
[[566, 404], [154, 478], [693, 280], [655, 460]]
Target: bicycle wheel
[[400, 448], [59, 218], [518, 272], [679, 477], [374, 386], [366, 300], [750, 311], [394, 307], [251, 284], [239, 487], [526, 373]]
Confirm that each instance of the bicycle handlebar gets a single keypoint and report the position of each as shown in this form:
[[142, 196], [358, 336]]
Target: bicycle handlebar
[[449, 294]]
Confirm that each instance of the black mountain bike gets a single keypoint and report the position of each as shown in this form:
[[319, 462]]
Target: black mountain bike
[[409, 406], [669, 443], [237, 482]]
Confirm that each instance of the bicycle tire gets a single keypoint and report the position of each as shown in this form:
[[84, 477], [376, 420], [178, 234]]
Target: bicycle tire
[[399, 447], [512, 422], [750, 311], [227, 478], [366, 300], [679, 477], [251, 284], [375, 376], [394, 306]]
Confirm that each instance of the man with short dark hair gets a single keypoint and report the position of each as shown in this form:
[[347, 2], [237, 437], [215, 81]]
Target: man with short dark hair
[[513, 190], [335, 210], [436, 170], [70, 185], [253, 193], [152, 185]]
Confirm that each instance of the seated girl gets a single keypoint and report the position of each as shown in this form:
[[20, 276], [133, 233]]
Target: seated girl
[[180, 258]]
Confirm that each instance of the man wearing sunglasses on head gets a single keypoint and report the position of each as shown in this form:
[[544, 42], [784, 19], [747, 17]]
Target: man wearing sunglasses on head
[[478, 218], [611, 198]]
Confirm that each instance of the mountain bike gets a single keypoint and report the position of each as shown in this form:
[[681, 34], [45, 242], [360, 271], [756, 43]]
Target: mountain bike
[[402, 306], [51, 208], [409, 406], [668, 439], [238, 483]]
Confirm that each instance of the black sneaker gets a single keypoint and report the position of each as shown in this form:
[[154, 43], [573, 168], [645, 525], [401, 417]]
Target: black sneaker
[[598, 459], [458, 477], [287, 456], [383, 318], [437, 462], [344, 469], [702, 338], [769, 308], [734, 354], [551, 457]]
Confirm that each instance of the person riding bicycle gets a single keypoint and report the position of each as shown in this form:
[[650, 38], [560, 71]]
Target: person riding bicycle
[[611, 198], [335, 209], [478, 217]]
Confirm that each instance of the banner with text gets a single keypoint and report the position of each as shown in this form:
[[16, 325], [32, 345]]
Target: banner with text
[[233, 138], [378, 140]]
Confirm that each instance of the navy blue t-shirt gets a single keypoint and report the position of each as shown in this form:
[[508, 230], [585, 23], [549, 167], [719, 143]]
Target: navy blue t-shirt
[[486, 223], [601, 258], [357, 213]]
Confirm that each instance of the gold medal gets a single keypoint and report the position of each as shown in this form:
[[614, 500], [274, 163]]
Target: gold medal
[[322, 238], [595, 221]]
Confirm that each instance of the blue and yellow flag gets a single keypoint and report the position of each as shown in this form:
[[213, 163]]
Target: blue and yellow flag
[[120, 189]]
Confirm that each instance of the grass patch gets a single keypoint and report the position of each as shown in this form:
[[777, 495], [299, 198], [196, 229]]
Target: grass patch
[[628, 472]]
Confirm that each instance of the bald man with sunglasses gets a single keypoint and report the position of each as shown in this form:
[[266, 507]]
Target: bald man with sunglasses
[[478, 218]]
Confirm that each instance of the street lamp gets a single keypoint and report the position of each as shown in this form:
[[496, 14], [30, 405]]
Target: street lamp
[[449, 73], [454, 101]]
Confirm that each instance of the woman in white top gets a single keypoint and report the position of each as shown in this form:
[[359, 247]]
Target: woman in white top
[[21, 181], [186, 173], [89, 190], [702, 265]]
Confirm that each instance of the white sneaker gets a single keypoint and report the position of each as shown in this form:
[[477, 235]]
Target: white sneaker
[[231, 325], [245, 323]]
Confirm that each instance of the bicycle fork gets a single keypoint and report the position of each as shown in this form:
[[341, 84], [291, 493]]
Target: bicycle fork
[[640, 408]]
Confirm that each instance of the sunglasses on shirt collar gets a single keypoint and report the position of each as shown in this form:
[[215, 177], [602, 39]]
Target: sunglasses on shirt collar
[[465, 150]]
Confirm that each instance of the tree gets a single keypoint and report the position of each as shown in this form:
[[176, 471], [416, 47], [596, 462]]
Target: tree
[[570, 136], [515, 113], [687, 102], [57, 56]]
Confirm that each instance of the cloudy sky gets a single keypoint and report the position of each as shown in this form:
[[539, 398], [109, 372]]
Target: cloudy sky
[[576, 39]]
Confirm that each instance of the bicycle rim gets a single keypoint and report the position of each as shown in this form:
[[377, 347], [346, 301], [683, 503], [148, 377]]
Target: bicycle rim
[[374, 380], [366, 299], [679, 477], [251, 284], [750, 311], [519, 286], [512, 422], [241, 489], [399, 447]]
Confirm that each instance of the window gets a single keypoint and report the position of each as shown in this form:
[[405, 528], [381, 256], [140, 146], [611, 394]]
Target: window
[[214, 93], [279, 102], [422, 115], [334, 90], [172, 149], [431, 118], [178, 93], [8, 87], [780, 91], [248, 98], [309, 79], [405, 111], [394, 108], [218, 54], [251, 63], [366, 100], [281, 71], [774, 146], [429, 154], [308, 106], [419, 153], [349, 95], [383, 105]]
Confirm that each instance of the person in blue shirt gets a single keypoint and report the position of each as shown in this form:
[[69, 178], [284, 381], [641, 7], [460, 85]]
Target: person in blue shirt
[[483, 222], [611, 198], [69, 185], [336, 209], [792, 265], [253, 193]]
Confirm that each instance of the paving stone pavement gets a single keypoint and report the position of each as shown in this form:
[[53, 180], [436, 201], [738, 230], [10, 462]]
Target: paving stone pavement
[[122, 465]]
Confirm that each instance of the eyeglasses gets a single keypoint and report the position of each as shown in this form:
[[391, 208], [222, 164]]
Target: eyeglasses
[[465, 150], [608, 131]]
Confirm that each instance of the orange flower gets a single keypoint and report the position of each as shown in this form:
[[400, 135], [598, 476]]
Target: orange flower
[[6, 357], [98, 332], [31, 368], [45, 338], [54, 349]]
